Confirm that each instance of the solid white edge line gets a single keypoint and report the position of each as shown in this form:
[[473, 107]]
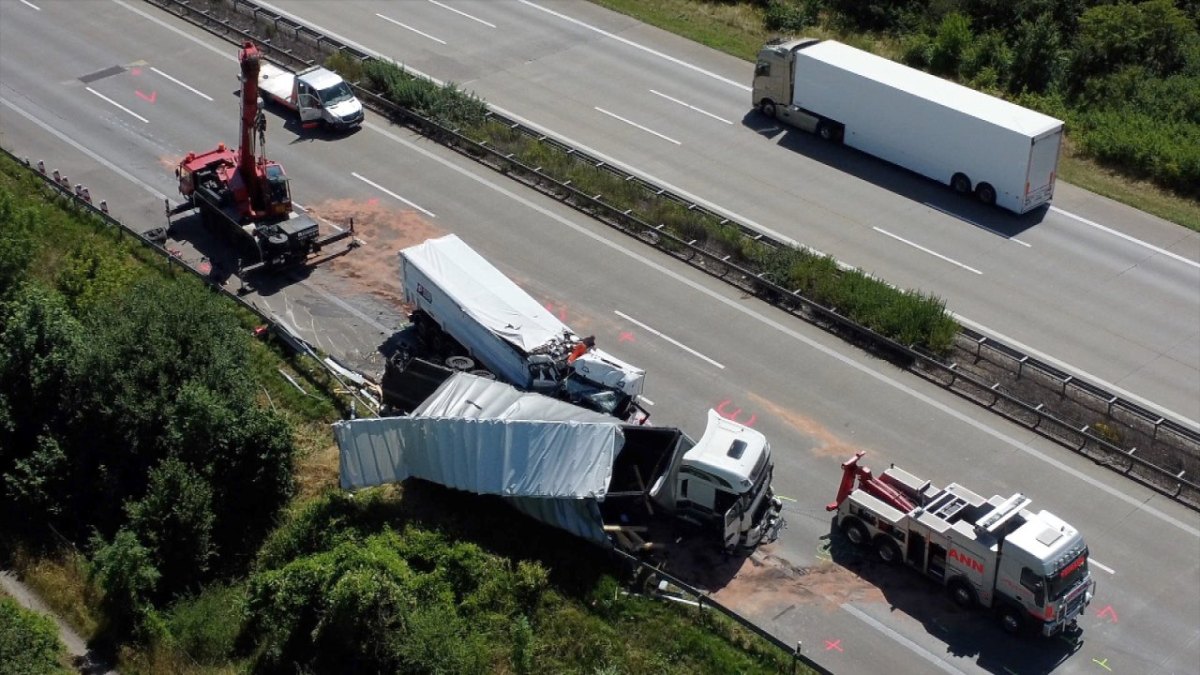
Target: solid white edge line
[[185, 86], [1126, 237], [689, 105], [71, 142], [459, 11], [635, 45], [635, 124], [388, 192], [102, 96], [903, 641], [931, 252], [673, 341], [407, 27], [1097, 563], [1141, 505], [27, 2]]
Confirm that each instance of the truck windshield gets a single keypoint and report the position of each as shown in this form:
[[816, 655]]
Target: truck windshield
[[1067, 577], [336, 94]]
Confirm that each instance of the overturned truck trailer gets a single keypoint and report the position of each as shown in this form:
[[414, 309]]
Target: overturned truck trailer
[[575, 469]]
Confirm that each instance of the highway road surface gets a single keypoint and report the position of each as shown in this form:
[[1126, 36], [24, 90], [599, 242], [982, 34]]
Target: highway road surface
[[116, 96]]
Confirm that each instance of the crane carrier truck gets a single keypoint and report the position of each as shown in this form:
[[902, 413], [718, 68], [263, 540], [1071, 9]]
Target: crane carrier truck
[[463, 305], [1005, 154], [247, 195], [616, 484], [1030, 567]]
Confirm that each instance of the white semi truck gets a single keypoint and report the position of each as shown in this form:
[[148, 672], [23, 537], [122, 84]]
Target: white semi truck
[[613, 483], [1030, 567], [462, 303], [1003, 153], [317, 95]]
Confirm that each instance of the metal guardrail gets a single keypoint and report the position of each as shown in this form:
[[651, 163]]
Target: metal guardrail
[[1084, 440], [298, 345]]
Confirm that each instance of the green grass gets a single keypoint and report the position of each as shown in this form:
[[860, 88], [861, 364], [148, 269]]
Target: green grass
[[737, 29]]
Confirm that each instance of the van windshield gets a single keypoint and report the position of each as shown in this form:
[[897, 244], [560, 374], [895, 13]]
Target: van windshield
[[336, 94]]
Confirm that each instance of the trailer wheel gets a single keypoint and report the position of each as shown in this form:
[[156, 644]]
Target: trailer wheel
[[829, 131], [986, 193], [855, 532], [963, 594], [960, 183], [1011, 619], [887, 550], [767, 107]]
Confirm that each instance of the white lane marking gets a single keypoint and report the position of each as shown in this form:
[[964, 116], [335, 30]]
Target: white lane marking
[[27, 2], [184, 34], [1137, 504], [422, 34], [1126, 237], [459, 11], [1093, 379], [1106, 568], [102, 96], [975, 224], [673, 341], [926, 250], [69, 141], [732, 215], [386, 191], [635, 124], [635, 45], [185, 86], [689, 105], [903, 641]]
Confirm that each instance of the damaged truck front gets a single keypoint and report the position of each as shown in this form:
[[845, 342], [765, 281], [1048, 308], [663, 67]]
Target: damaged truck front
[[613, 483]]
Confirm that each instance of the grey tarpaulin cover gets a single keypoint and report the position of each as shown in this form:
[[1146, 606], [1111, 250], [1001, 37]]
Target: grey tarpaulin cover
[[550, 459]]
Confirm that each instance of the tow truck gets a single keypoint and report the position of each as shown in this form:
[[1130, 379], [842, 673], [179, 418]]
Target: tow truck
[[245, 194], [1031, 568]]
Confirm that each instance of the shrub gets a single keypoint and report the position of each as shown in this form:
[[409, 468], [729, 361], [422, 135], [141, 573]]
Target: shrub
[[29, 642]]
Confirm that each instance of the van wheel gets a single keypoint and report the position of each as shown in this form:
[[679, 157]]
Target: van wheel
[[887, 550], [960, 183], [986, 193], [962, 594], [855, 532], [1011, 620], [767, 107]]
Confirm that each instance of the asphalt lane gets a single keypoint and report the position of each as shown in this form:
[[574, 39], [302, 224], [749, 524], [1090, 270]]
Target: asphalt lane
[[816, 399], [1123, 312]]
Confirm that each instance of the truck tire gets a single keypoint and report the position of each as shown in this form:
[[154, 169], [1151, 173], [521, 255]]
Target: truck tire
[[1012, 619], [829, 131], [960, 183], [856, 532], [767, 108], [986, 193], [962, 593], [887, 550]]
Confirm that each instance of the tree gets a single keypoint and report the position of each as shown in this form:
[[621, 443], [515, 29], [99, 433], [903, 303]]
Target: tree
[[125, 571], [175, 519], [1037, 57], [29, 643], [1154, 34]]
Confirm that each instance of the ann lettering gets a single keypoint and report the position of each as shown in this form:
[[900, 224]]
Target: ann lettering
[[966, 560]]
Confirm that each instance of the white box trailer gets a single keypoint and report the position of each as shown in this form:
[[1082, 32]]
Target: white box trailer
[[1003, 153], [455, 291]]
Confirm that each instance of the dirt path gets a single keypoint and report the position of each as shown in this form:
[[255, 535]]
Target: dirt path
[[81, 657]]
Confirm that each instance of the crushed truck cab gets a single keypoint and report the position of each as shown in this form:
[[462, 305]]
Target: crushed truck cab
[[316, 94]]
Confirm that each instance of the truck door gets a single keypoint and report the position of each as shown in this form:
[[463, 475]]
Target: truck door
[[1043, 163], [307, 103], [733, 522]]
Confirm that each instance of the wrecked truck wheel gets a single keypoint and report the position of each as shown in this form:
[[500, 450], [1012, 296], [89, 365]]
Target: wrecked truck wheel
[[855, 531], [887, 550], [462, 363], [962, 594]]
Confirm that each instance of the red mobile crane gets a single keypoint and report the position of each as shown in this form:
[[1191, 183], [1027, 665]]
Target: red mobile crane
[[247, 193]]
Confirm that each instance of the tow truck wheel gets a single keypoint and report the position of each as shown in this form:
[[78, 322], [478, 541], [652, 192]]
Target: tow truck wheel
[[1010, 620], [855, 532], [962, 594], [887, 550]]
